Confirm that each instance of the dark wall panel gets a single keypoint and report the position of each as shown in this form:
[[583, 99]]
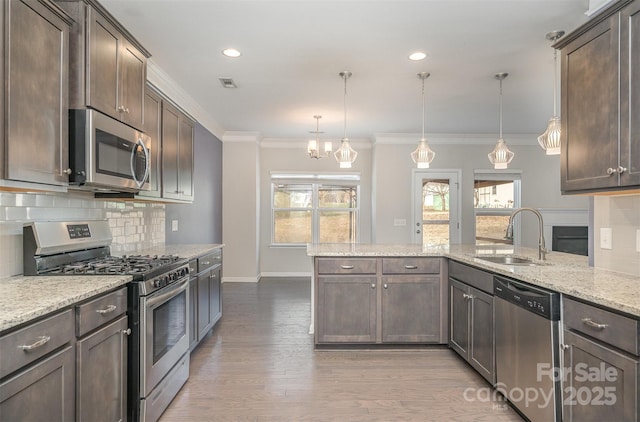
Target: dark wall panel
[[200, 221]]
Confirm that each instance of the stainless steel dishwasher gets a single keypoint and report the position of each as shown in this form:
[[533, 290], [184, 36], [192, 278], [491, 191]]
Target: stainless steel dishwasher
[[527, 361]]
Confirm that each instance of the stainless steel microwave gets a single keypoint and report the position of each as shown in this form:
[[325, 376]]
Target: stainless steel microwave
[[105, 154]]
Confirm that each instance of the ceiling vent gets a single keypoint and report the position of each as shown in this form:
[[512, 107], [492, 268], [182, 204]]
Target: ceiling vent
[[227, 83]]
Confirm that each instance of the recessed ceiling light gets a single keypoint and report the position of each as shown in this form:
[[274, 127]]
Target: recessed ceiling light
[[418, 55], [231, 52]]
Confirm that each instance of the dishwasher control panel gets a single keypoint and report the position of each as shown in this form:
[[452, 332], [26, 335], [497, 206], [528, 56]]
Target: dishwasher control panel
[[539, 301]]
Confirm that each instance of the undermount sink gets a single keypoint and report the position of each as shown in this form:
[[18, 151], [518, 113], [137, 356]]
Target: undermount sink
[[507, 260]]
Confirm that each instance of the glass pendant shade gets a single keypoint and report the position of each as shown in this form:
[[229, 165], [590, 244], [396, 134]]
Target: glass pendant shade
[[500, 157], [423, 155], [313, 147], [550, 139], [345, 155]]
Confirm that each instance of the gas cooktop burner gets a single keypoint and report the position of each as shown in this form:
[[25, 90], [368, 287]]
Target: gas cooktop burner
[[132, 265]]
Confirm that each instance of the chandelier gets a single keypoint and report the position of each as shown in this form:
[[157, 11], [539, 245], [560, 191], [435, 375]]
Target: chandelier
[[313, 147]]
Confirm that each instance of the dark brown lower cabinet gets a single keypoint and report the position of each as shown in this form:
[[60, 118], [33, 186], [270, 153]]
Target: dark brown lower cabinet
[[205, 294], [102, 373], [601, 383], [43, 392], [471, 331]]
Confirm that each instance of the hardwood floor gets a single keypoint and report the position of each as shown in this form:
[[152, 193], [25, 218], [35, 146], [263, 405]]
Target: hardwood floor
[[259, 365]]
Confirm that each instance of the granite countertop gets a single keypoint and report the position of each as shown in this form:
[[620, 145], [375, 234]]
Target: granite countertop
[[187, 251], [23, 299], [565, 273]]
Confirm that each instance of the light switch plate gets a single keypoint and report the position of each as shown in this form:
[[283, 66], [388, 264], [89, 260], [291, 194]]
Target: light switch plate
[[606, 241], [174, 225], [399, 222]]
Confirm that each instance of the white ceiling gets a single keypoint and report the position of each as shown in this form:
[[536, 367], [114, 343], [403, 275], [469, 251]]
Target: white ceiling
[[292, 52]]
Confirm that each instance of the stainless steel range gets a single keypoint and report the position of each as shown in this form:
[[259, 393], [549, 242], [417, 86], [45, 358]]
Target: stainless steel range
[[158, 304]]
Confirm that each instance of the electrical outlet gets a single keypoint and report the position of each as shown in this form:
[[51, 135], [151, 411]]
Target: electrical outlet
[[174, 225], [606, 241], [638, 240], [399, 222]]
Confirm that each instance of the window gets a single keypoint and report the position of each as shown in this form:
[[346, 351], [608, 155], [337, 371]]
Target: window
[[314, 208], [495, 196]]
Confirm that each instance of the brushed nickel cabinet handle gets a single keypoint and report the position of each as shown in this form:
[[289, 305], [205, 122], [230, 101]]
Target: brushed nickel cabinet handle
[[206, 262], [107, 310], [42, 340], [590, 323], [621, 169], [565, 346], [346, 267], [467, 297], [611, 171], [411, 267]]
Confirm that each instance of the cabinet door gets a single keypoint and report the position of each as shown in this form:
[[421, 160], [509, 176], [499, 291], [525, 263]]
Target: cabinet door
[[459, 317], [216, 295], [36, 83], [630, 95], [102, 374], [132, 89], [410, 311], [204, 304], [44, 392], [104, 48], [602, 384], [152, 127], [481, 339], [170, 137], [590, 109], [193, 313], [185, 159], [346, 311]]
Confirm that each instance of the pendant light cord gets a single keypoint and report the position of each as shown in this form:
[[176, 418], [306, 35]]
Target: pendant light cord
[[555, 80], [500, 108], [422, 139], [345, 107]]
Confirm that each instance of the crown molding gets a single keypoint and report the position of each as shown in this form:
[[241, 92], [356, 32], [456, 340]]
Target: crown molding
[[301, 143], [161, 80], [237, 136], [455, 138]]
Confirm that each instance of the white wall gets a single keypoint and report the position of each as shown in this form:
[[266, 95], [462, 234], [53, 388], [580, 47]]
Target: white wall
[[621, 213], [240, 207], [392, 191]]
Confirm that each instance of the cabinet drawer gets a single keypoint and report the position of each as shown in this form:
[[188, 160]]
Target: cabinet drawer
[[615, 329], [30, 343], [99, 311], [472, 276], [346, 266], [209, 260], [411, 265]]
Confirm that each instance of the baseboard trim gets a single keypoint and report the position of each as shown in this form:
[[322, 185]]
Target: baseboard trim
[[240, 279], [285, 274]]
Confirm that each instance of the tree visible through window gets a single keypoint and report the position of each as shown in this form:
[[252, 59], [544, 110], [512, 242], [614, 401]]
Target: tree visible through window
[[324, 210]]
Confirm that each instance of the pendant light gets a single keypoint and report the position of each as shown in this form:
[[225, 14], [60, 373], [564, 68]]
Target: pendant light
[[313, 148], [550, 139], [500, 157], [423, 155], [345, 155]]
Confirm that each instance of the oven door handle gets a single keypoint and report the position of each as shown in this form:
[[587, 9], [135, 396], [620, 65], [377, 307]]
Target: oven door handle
[[145, 151], [153, 301]]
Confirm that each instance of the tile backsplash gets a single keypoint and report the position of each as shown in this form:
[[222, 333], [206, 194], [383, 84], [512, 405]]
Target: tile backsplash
[[134, 225], [621, 214]]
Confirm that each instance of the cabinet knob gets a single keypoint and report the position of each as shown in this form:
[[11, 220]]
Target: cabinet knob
[[67, 171], [621, 169], [123, 109], [373, 285], [385, 286], [611, 171], [565, 346], [467, 296], [126, 332]]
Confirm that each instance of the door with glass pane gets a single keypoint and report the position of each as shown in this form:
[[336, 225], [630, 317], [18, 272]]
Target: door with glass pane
[[436, 207]]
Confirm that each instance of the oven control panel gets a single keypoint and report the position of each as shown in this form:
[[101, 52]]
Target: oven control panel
[[165, 279]]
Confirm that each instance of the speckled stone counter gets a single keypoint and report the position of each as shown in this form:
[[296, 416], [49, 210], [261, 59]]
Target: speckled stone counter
[[565, 273], [187, 251], [23, 299]]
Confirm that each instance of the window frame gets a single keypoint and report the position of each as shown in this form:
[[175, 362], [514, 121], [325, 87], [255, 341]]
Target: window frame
[[315, 180], [514, 176]]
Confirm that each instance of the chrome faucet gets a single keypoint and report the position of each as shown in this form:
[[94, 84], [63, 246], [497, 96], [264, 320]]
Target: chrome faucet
[[542, 251]]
